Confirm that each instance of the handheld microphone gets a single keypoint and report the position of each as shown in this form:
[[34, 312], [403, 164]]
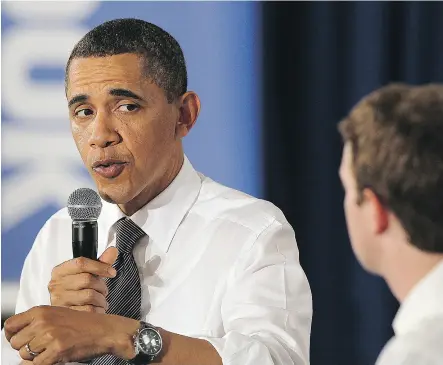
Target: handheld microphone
[[84, 207]]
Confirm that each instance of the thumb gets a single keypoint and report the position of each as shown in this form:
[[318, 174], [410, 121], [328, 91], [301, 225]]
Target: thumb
[[109, 256]]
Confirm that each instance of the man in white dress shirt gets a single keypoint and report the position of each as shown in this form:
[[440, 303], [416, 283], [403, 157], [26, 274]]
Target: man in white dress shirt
[[220, 278], [392, 173]]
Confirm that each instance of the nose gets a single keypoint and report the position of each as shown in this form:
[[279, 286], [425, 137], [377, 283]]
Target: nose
[[103, 134]]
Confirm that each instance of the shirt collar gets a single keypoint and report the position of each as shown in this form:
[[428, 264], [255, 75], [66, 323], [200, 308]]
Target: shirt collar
[[424, 301], [161, 217]]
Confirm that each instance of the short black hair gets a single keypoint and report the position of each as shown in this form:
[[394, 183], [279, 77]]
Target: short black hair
[[163, 56]]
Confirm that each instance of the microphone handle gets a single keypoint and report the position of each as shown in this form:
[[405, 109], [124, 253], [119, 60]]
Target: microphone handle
[[84, 239]]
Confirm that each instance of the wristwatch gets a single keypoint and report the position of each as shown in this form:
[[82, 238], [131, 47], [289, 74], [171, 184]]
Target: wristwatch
[[147, 344]]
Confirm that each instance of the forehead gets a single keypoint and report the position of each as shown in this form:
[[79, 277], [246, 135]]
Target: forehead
[[86, 75]]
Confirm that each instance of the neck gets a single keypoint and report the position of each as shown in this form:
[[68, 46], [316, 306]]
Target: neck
[[150, 192], [407, 269]]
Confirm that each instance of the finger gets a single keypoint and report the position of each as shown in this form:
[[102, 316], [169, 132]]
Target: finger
[[17, 322], [36, 345], [82, 297], [26, 355], [88, 308], [81, 265], [50, 356], [22, 337], [78, 282], [109, 256]]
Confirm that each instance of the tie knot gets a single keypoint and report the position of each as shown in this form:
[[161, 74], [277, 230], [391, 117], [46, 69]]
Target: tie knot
[[128, 233]]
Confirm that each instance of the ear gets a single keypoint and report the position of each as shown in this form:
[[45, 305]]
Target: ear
[[189, 111], [378, 214]]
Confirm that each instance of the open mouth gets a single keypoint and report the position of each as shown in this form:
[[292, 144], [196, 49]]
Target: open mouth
[[109, 168]]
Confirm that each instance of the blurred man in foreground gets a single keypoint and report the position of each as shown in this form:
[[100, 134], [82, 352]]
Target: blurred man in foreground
[[392, 173], [204, 274]]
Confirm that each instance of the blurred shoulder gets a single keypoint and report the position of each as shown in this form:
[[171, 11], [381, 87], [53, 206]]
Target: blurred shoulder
[[421, 346]]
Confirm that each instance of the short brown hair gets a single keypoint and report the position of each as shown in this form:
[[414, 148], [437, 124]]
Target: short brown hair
[[396, 135]]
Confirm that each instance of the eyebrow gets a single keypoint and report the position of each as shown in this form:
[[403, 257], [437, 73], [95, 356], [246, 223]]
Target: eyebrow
[[115, 92], [126, 93], [78, 99]]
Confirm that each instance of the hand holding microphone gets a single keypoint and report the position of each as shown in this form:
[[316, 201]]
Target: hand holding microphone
[[78, 283]]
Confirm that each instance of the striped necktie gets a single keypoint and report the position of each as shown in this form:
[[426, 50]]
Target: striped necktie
[[124, 290]]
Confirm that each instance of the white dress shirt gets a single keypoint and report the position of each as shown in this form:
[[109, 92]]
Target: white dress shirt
[[216, 264], [418, 325]]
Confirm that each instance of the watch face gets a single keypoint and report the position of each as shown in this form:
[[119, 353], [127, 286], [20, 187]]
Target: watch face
[[150, 342]]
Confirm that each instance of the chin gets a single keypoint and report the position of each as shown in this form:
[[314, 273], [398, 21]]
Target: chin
[[106, 197], [115, 194]]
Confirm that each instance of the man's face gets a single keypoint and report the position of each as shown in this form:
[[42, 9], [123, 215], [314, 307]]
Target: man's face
[[361, 219], [122, 124]]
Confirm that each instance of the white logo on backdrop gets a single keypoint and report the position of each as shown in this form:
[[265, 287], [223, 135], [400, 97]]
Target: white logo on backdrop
[[36, 138]]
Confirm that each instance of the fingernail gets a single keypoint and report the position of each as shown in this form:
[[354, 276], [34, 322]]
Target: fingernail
[[112, 271]]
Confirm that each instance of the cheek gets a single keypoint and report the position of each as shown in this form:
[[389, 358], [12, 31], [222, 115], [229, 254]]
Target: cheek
[[353, 221], [81, 137], [148, 140], [359, 232]]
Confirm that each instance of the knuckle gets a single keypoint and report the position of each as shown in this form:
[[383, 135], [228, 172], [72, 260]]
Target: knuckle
[[102, 285], [14, 343], [52, 286], [91, 309], [88, 308], [54, 272], [40, 322], [37, 361], [60, 347], [41, 315], [50, 336], [8, 325], [88, 280], [57, 271], [81, 262], [55, 299], [89, 294]]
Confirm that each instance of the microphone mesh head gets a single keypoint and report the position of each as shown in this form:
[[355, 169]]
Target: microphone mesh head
[[84, 204]]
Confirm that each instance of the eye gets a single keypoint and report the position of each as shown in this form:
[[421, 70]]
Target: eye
[[82, 113], [128, 107]]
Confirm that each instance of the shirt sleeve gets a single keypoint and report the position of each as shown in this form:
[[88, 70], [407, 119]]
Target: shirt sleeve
[[33, 292], [267, 310]]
